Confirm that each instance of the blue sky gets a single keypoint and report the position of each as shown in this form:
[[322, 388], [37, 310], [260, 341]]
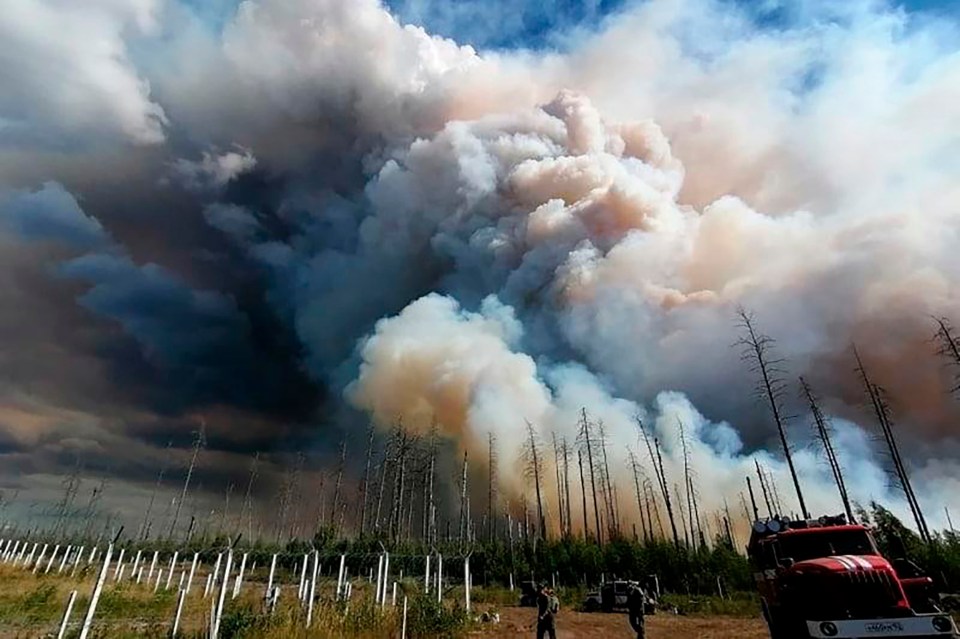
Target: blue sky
[[536, 24]]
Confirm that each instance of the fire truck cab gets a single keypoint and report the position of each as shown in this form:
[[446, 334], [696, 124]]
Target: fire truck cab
[[825, 578]]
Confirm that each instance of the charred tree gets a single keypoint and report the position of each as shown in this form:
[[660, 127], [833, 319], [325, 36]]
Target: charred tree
[[656, 459], [823, 434], [566, 485], [561, 509], [636, 485], [339, 484], [462, 530], [753, 502], [950, 350], [534, 467], [365, 483], [757, 349], [197, 444], [585, 434], [246, 514], [766, 493], [583, 494], [882, 410]]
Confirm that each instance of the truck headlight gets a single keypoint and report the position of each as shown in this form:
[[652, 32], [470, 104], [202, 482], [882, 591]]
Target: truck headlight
[[942, 624], [828, 629]]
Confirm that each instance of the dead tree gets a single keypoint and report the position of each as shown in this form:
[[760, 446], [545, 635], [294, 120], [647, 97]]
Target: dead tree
[[882, 410], [757, 350], [556, 466], [491, 487], [382, 477], [431, 526], [197, 444], [823, 433], [950, 350], [693, 510], [336, 491], [766, 493], [636, 484], [607, 488], [753, 502], [462, 526], [566, 485], [585, 440], [71, 484], [246, 514], [656, 459], [534, 467], [223, 512], [403, 444], [365, 484], [583, 494]]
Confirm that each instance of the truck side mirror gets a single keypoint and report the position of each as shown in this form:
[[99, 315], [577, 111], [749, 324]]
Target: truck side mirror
[[787, 562]]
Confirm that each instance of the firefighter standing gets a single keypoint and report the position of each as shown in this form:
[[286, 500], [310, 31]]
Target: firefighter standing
[[635, 602], [547, 607]]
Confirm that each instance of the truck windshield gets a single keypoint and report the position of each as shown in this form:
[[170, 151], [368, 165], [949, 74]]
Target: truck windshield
[[814, 544]]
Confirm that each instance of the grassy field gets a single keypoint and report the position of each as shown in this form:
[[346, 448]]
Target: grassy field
[[31, 606]]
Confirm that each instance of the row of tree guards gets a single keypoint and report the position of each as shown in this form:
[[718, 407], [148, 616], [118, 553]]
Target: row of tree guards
[[222, 583], [397, 498]]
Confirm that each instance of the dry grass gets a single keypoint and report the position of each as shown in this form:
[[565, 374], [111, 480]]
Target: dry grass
[[31, 607], [519, 622]]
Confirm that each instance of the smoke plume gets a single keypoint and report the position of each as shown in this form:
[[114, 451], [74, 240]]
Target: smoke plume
[[315, 214]]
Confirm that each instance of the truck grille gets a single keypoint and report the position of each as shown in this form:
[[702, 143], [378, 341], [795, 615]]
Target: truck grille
[[867, 592], [852, 595]]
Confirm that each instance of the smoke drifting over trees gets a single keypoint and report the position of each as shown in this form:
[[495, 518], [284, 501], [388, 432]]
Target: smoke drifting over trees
[[316, 216]]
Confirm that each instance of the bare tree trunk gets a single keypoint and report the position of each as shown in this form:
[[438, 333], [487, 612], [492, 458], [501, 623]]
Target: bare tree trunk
[[144, 527], [613, 517], [636, 484], [186, 482], [585, 431], [823, 432], [950, 349], [763, 488], [462, 527], [875, 394], [491, 488], [753, 502], [535, 455], [757, 350], [583, 494], [365, 486], [336, 491], [247, 514], [566, 486], [556, 464], [657, 460], [384, 465]]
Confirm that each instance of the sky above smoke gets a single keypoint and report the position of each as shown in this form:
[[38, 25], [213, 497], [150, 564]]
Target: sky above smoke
[[282, 218]]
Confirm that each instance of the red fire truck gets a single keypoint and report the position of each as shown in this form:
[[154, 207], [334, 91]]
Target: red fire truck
[[825, 578]]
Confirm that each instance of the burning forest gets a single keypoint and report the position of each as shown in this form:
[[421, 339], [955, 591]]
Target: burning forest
[[368, 276]]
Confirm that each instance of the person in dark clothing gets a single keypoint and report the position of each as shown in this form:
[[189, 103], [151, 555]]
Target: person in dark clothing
[[547, 607], [635, 601]]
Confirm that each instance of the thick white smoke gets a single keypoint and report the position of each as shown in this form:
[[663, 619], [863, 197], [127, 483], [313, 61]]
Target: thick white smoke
[[540, 232]]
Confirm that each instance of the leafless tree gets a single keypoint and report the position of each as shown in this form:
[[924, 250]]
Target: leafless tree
[[491, 486], [198, 443], [246, 514], [365, 484], [823, 434], [878, 400], [949, 349], [585, 440], [757, 350], [534, 467], [656, 460]]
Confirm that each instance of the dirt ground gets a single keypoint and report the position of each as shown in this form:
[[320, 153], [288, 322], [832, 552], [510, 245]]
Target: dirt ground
[[518, 623]]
